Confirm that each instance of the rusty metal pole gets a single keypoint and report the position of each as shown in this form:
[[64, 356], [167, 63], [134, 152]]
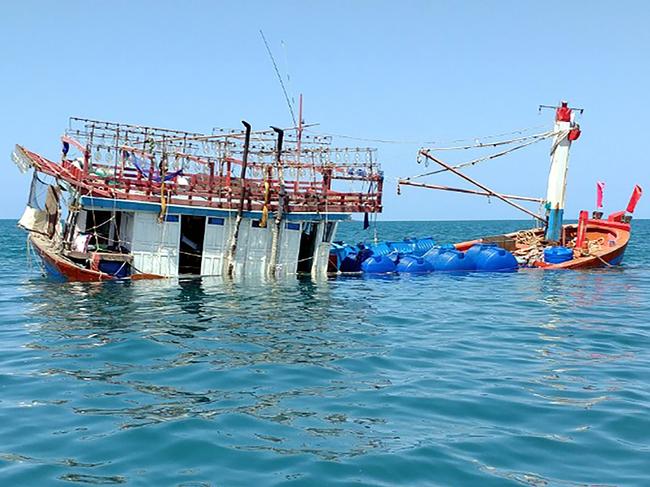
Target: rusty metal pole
[[242, 195], [275, 243]]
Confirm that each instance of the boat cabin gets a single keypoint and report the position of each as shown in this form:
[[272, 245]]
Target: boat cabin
[[146, 202]]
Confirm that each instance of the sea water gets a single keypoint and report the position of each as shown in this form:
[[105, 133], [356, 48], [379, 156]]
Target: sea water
[[530, 378]]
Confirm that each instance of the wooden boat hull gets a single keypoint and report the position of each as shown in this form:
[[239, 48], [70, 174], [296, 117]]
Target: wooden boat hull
[[62, 269], [615, 236]]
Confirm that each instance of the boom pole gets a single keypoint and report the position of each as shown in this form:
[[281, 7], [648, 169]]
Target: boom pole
[[406, 182], [482, 186]]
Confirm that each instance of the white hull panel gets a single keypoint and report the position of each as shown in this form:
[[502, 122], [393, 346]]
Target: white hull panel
[[216, 241], [155, 245]]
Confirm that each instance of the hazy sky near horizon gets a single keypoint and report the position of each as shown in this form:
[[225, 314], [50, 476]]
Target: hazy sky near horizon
[[405, 71]]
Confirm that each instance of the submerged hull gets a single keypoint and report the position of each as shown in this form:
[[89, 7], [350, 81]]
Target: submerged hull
[[63, 269], [60, 268]]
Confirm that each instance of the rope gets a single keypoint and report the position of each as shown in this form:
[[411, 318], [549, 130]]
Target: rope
[[528, 237], [603, 261], [593, 246], [163, 202], [530, 246], [94, 228]]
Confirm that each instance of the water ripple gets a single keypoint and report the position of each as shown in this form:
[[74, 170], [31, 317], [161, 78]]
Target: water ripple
[[529, 379]]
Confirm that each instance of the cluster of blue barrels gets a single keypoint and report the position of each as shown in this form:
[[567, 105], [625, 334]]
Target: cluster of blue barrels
[[420, 256]]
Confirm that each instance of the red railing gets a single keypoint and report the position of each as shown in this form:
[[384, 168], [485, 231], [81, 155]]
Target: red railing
[[221, 190]]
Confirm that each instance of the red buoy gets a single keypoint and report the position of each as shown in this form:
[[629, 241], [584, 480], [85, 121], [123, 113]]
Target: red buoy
[[574, 133]]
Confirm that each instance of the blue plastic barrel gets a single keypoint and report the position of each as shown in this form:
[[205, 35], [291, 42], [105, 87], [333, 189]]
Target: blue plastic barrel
[[380, 248], [473, 252], [431, 254], [378, 264], [495, 259], [395, 256], [448, 260], [557, 255], [423, 245], [403, 247], [413, 264]]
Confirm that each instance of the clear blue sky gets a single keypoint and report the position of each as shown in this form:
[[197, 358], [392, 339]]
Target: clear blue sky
[[417, 70]]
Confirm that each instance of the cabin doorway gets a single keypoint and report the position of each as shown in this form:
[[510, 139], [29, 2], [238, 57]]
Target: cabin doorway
[[191, 244], [307, 246], [98, 225]]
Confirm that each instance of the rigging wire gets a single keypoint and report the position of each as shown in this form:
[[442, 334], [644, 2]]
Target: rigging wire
[[485, 158], [364, 139], [480, 145], [277, 72], [288, 73], [475, 140]]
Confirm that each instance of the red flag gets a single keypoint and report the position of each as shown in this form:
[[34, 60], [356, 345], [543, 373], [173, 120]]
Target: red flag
[[634, 199], [600, 189]]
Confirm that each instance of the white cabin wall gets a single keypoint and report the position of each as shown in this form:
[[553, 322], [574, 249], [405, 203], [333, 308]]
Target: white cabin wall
[[253, 249], [80, 224], [155, 245], [216, 242], [322, 248], [126, 230], [289, 248], [112, 233]]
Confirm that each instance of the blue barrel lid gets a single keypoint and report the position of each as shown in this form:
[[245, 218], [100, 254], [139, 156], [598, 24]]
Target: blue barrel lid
[[559, 251]]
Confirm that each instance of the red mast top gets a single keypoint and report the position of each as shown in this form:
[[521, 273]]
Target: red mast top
[[563, 113]]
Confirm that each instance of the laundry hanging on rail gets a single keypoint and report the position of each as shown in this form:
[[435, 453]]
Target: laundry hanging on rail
[[155, 176]]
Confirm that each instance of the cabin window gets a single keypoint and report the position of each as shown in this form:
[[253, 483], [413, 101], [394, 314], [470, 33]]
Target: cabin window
[[256, 224], [293, 226], [213, 220]]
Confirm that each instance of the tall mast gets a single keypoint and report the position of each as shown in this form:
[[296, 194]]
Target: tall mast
[[299, 144], [556, 190]]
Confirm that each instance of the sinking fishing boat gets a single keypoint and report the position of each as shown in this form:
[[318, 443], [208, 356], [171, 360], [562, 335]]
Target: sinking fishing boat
[[592, 242], [137, 202]]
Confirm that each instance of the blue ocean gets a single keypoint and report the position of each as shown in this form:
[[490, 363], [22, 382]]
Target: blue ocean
[[530, 378]]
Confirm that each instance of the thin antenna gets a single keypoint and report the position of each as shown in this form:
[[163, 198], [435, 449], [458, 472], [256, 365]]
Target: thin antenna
[[288, 74], [277, 72]]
